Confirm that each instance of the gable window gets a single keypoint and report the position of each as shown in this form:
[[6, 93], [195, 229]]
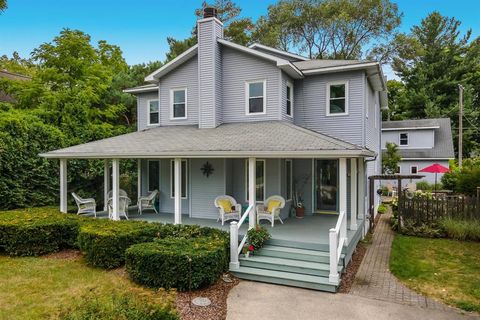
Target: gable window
[[184, 179], [337, 98], [289, 99], [260, 180], [413, 169], [178, 98], [153, 173], [255, 97], [153, 112], [288, 179], [404, 139], [398, 170]]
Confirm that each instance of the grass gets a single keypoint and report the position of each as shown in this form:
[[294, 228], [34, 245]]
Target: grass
[[43, 288], [445, 269]]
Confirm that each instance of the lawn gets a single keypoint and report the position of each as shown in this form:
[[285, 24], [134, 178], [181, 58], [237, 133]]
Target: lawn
[[41, 288], [445, 269]]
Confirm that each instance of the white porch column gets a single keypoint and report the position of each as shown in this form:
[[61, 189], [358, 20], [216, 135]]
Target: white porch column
[[106, 183], [139, 178], [342, 188], [353, 194], [115, 189], [178, 190], [252, 191], [63, 185], [361, 188]]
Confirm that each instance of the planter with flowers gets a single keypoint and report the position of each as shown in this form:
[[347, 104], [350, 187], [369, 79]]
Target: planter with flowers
[[256, 238]]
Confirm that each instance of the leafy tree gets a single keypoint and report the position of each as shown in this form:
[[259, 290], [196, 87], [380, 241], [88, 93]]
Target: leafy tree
[[463, 179], [177, 47], [3, 5], [396, 101], [390, 158]]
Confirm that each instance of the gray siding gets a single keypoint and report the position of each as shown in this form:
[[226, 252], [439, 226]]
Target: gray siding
[[416, 138], [311, 106], [429, 177], [283, 97], [301, 168], [166, 202], [237, 68], [185, 75], [143, 109]]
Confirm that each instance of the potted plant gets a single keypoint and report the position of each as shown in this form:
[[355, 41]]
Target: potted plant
[[299, 185], [256, 239], [299, 210]]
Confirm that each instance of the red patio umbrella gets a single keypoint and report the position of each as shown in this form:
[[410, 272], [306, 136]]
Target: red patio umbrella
[[435, 168]]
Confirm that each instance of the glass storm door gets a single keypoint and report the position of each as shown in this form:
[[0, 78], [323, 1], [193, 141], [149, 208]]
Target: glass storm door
[[326, 185]]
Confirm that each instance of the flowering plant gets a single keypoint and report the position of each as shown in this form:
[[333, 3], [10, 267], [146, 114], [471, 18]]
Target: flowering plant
[[257, 237]]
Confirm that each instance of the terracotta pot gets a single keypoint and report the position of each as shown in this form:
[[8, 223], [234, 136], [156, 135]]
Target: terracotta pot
[[300, 212]]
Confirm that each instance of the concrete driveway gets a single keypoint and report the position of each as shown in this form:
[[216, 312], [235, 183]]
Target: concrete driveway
[[255, 300]]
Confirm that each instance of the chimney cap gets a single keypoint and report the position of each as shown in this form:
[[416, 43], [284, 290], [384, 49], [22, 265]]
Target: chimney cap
[[209, 12]]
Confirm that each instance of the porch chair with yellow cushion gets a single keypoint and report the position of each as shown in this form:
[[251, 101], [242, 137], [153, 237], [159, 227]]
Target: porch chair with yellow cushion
[[270, 209], [228, 208]]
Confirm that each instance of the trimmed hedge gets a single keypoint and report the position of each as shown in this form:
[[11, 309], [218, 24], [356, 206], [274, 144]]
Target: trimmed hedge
[[104, 242], [32, 232], [181, 263]]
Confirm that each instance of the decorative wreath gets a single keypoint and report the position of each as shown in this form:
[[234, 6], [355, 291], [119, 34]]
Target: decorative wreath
[[207, 169]]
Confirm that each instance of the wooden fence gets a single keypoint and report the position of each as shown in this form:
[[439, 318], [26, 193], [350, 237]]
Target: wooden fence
[[430, 209]]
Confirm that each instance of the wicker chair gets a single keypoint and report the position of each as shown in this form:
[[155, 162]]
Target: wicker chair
[[234, 213], [85, 205], [147, 202], [123, 203], [274, 214]]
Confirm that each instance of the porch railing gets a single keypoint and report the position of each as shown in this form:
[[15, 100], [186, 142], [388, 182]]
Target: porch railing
[[337, 238], [235, 248]]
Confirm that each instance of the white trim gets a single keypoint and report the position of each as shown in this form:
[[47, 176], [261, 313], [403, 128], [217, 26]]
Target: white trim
[[427, 159], [332, 83], [400, 139], [356, 66], [353, 193], [106, 183], [171, 103], [139, 178], [149, 112], [264, 179], [414, 166], [409, 128], [178, 190], [172, 166], [291, 89], [154, 76], [63, 185], [140, 90], [148, 173], [247, 96], [342, 185], [285, 53], [115, 189], [291, 180]]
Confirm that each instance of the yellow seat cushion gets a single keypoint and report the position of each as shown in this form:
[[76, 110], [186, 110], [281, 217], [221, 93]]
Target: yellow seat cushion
[[226, 205], [272, 204]]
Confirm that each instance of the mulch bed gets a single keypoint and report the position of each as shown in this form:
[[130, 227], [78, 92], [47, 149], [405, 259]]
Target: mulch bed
[[349, 276], [217, 294]]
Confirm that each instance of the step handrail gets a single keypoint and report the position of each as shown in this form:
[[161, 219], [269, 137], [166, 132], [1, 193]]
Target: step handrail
[[337, 238], [235, 248]]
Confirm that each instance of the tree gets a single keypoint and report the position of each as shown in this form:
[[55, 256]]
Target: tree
[[396, 101], [3, 5], [390, 158]]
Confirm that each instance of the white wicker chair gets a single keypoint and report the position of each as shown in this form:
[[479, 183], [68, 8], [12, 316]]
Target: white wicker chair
[[235, 214], [123, 203], [85, 205], [147, 202], [263, 214]]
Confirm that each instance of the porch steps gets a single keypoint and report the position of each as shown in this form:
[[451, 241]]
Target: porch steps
[[297, 254]]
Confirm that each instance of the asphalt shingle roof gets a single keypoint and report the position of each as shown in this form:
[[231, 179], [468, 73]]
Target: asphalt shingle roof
[[273, 138], [443, 147]]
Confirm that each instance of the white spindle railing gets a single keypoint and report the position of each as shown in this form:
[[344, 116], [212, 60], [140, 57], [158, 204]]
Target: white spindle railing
[[235, 248], [337, 237]]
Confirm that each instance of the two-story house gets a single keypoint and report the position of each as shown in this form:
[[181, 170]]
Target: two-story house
[[421, 143], [264, 122]]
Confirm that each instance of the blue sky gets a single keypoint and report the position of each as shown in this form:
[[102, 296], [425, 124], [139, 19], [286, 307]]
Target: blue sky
[[141, 27]]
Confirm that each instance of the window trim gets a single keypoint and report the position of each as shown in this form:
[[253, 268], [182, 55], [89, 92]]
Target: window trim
[[172, 90], [149, 112], [289, 86], [329, 84], [399, 169], [416, 169], [148, 174], [247, 97], [400, 139], [264, 179], [172, 178], [291, 180]]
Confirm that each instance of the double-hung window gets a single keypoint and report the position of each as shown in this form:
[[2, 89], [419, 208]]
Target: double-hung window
[[260, 180], [404, 139], [153, 112], [184, 179], [413, 169], [289, 99], [255, 96], [178, 98], [337, 98]]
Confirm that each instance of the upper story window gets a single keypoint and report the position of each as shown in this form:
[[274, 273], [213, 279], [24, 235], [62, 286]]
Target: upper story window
[[255, 97], [404, 139], [413, 169], [153, 112], [178, 98], [289, 99], [337, 98]]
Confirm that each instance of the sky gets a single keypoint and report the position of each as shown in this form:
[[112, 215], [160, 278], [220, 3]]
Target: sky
[[141, 27]]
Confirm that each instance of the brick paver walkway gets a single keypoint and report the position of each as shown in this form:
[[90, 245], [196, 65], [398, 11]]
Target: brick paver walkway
[[374, 280]]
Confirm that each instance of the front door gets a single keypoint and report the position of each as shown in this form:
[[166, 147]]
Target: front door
[[326, 185]]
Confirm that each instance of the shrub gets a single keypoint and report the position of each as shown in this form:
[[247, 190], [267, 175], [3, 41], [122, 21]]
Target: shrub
[[257, 237], [104, 242], [37, 231], [382, 208], [461, 229], [412, 228], [121, 306], [180, 263]]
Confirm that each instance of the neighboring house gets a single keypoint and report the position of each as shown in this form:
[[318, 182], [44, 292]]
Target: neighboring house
[[267, 122], [4, 97], [420, 143]]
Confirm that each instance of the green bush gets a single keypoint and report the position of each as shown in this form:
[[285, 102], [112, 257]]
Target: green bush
[[37, 231], [382, 208], [257, 237], [181, 263], [412, 228], [461, 229], [120, 306], [104, 242]]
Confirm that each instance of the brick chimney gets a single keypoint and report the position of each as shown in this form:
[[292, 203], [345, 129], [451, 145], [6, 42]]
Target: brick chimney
[[209, 29]]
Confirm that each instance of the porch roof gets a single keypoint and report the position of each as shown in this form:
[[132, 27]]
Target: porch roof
[[254, 139]]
